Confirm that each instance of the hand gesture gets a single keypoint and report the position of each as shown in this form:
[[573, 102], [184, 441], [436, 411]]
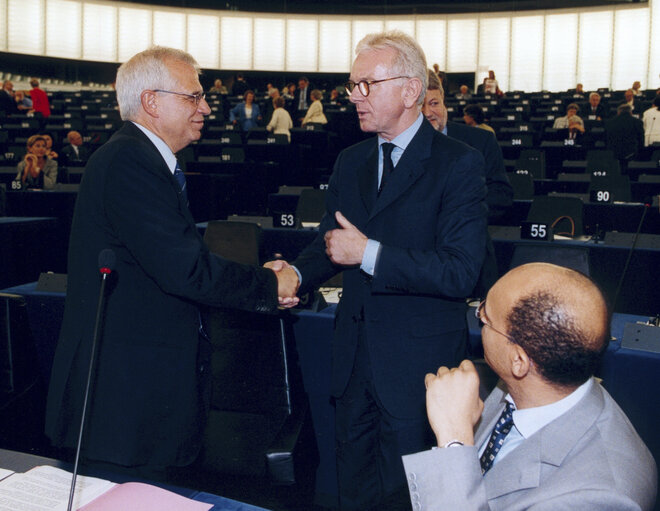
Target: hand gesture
[[287, 283], [345, 245], [453, 404]]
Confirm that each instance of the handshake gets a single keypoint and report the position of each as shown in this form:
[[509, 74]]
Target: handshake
[[287, 283]]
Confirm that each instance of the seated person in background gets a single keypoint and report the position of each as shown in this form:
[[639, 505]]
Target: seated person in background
[[637, 89], [218, 88], [630, 98], [36, 170], [549, 436], [281, 122], [335, 98], [473, 115], [75, 151], [464, 93], [247, 113], [651, 119], [289, 90], [578, 91], [571, 121], [7, 98], [23, 103], [50, 154], [315, 113], [595, 111]]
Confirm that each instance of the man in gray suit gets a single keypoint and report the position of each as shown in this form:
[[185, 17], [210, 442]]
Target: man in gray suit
[[549, 436]]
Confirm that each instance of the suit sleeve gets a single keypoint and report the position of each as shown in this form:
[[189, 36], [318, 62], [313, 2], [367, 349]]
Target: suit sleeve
[[451, 478], [143, 208], [452, 268], [500, 193]]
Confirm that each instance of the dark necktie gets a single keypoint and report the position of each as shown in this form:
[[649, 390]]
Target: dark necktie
[[181, 179], [500, 431], [388, 167]]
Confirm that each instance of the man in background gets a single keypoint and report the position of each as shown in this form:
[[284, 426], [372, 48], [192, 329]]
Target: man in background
[[548, 436], [7, 101], [150, 398], [75, 151], [624, 135]]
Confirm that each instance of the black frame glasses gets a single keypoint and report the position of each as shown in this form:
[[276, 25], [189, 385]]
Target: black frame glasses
[[479, 315], [195, 97], [363, 85]]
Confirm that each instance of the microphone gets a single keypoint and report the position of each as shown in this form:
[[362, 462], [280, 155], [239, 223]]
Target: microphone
[[107, 260]]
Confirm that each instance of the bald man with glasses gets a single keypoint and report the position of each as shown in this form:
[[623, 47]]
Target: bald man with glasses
[[548, 436]]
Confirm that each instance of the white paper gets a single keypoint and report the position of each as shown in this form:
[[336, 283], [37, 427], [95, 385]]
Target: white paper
[[47, 489]]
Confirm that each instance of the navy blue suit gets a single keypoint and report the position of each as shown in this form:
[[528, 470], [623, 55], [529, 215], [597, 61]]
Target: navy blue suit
[[409, 317], [150, 394]]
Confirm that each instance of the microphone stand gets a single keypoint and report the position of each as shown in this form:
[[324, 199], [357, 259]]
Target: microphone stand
[[105, 271]]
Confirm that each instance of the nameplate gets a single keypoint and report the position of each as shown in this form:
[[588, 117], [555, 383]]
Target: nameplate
[[536, 231], [600, 196], [637, 336]]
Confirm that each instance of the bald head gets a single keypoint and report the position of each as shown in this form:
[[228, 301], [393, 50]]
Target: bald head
[[558, 316]]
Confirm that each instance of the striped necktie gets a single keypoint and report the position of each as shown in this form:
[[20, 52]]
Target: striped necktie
[[500, 431], [181, 179]]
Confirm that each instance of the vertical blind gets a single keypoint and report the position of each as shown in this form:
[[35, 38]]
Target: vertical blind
[[551, 50]]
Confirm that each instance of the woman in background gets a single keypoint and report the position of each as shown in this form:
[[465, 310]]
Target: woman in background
[[281, 122], [315, 113], [247, 113], [36, 170]]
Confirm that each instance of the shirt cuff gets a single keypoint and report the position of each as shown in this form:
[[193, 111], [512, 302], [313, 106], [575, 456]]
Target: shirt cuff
[[370, 256], [299, 275]]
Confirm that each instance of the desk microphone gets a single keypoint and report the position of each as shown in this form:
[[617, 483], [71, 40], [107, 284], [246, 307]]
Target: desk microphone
[[107, 260], [647, 206]]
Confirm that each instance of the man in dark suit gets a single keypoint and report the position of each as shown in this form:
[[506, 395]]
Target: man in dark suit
[[302, 98], [409, 233], [149, 403], [625, 135], [500, 193], [75, 152], [595, 111], [7, 101]]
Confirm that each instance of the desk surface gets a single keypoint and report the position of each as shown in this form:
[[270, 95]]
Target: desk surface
[[22, 462]]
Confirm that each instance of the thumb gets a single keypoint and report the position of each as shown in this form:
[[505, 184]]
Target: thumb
[[342, 221]]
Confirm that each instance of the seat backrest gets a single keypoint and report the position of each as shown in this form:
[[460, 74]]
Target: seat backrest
[[576, 258], [236, 241], [616, 187], [536, 168], [233, 155], [565, 214], [523, 186], [311, 205]]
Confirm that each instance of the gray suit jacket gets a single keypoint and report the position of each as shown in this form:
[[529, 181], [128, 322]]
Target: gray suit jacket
[[590, 458]]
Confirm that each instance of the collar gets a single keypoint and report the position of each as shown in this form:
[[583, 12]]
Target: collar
[[163, 148], [403, 139], [530, 420]]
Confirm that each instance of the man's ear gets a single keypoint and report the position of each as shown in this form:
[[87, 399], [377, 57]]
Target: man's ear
[[520, 362], [149, 101], [411, 92]]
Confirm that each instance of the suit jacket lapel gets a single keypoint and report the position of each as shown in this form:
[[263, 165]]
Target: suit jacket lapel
[[521, 468], [368, 178], [411, 165]]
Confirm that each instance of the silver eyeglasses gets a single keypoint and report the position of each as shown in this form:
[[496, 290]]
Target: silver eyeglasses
[[196, 98], [481, 316], [364, 85]]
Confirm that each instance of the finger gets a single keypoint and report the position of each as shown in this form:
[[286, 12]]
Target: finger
[[342, 221], [428, 379], [442, 370]]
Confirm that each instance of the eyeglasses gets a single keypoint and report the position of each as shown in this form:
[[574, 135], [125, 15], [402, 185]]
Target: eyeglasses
[[479, 313], [196, 98], [364, 85]]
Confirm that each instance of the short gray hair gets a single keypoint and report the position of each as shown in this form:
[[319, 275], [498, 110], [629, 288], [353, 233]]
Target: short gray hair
[[147, 70], [409, 60], [593, 95]]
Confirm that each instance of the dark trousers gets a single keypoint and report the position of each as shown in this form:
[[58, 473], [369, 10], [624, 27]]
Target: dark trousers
[[370, 442]]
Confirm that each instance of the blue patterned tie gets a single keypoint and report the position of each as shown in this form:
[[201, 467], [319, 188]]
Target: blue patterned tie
[[500, 431], [181, 179]]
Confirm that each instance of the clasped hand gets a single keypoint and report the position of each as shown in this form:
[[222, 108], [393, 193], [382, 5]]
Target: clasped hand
[[287, 283], [453, 404]]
